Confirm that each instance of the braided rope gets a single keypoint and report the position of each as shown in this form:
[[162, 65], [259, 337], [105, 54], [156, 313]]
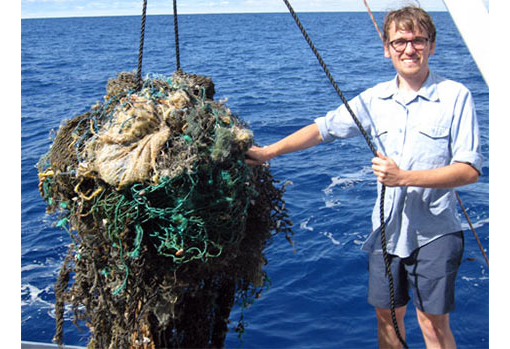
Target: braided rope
[[387, 262], [374, 151], [330, 77], [176, 31], [140, 50]]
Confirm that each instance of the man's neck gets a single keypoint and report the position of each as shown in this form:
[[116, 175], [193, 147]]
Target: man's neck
[[411, 84]]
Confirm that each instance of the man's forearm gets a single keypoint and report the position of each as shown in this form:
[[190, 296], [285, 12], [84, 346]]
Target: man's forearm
[[451, 176], [455, 175], [304, 138]]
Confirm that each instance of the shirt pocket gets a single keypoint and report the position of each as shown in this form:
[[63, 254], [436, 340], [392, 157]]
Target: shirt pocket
[[381, 137], [432, 145]]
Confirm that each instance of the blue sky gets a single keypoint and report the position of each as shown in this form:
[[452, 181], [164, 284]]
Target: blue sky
[[78, 8]]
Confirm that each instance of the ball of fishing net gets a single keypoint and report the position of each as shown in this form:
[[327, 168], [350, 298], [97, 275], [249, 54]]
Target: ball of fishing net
[[131, 146]]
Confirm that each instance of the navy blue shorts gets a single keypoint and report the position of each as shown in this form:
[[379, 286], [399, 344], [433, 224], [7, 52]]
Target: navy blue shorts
[[429, 273]]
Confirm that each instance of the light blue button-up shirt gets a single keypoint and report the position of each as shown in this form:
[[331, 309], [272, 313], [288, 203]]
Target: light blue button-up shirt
[[434, 127]]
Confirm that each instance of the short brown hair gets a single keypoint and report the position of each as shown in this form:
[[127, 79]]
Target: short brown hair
[[406, 18]]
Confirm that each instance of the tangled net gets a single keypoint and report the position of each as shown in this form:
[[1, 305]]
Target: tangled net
[[168, 223]]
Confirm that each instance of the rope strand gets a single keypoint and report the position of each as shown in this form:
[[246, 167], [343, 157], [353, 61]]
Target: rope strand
[[472, 229], [140, 50], [330, 77], [176, 31], [373, 19]]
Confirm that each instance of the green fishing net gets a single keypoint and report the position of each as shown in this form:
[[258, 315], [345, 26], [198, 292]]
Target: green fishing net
[[168, 223]]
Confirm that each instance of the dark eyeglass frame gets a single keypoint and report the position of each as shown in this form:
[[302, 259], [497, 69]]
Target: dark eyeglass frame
[[418, 43]]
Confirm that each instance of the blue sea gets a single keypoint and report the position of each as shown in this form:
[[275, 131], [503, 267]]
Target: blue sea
[[272, 80]]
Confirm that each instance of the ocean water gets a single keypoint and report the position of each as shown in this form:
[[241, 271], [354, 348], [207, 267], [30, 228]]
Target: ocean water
[[272, 80]]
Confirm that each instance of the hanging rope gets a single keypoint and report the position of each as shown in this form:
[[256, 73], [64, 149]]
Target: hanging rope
[[456, 194], [472, 229], [140, 50], [374, 151], [330, 77], [373, 19], [176, 31], [142, 37]]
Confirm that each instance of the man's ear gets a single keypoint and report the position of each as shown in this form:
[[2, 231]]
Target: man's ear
[[432, 48], [386, 50]]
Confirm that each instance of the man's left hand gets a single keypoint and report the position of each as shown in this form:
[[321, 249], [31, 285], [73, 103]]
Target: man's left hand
[[387, 171]]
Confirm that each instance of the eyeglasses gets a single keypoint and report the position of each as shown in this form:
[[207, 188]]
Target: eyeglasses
[[418, 43]]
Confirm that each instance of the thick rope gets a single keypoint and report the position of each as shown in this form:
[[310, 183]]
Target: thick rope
[[374, 151], [140, 50], [330, 77], [176, 31]]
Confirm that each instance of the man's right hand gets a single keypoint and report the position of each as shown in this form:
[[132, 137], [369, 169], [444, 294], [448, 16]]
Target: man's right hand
[[256, 156], [304, 138]]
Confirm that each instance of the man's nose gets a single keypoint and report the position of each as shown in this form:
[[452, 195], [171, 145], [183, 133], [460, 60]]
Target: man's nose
[[409, 48]]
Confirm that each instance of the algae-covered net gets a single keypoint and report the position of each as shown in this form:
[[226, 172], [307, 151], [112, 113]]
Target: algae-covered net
[[168, 223]]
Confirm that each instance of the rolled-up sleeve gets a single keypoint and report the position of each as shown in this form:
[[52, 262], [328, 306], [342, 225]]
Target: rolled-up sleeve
[[465, 133], [339, 123]]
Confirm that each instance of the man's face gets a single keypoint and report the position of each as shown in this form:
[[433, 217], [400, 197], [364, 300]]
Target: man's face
[[411, 63]]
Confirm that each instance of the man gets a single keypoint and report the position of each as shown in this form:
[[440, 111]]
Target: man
[[426, 133]]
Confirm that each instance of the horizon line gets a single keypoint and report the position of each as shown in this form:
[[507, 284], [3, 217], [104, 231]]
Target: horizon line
[[195, 13]]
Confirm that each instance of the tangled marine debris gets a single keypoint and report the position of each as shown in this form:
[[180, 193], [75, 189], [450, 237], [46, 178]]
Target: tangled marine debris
[[168, 222]]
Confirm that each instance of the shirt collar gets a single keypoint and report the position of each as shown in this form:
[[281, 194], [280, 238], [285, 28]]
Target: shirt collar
[[428, 90]]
